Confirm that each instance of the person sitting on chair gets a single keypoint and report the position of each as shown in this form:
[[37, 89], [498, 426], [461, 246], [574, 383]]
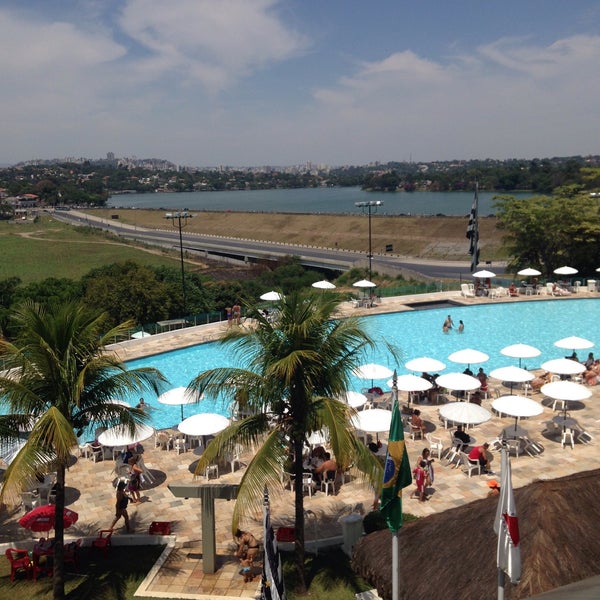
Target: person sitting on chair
[[326, 470], [482, 454], [416, 423], [463, 436]]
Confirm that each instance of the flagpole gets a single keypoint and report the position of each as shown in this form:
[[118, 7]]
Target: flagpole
[[395, 553], [395, 566], [501, 583]]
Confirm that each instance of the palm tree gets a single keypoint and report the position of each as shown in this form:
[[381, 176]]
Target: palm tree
[[295, 367], [58, 380]]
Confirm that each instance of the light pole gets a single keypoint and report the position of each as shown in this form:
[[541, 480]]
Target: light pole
[[369, 206], [179, 220]]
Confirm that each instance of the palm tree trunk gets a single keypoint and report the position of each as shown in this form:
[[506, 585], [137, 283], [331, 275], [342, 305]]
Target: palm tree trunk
[[59, 536], [299, 515]]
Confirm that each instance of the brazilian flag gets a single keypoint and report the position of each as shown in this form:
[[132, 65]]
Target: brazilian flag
[[397, 473]]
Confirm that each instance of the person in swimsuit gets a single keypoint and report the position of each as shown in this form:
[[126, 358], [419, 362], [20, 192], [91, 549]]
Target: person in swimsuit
[[122, 501], [247, 545]]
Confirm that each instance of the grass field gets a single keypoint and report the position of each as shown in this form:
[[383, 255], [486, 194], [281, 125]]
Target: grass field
[[420, 236], [35, 251]]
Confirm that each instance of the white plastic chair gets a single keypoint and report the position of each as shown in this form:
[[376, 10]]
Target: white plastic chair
[[567, 438], [469, 465], [328, 483], [307, 483], [234, 458], [212, 468], [435, 444], [180, 445], [514, 446], [29, 500]]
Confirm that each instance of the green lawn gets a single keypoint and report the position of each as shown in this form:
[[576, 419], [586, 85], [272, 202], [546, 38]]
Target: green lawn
[[35, 251]]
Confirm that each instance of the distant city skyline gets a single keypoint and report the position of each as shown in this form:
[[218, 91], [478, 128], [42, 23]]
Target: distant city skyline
[[286, 82]]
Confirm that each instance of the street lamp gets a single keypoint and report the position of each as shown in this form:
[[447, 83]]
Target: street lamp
[[179, 220], [368, 207]]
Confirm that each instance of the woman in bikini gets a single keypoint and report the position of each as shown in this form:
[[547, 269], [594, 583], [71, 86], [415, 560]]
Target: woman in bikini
[[247, 545]]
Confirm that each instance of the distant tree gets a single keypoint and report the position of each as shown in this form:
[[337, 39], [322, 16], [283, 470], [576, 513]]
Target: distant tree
[[547, 232], [128, 291]]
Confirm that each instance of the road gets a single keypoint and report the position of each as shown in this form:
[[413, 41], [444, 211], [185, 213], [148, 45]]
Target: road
[[210, 246]]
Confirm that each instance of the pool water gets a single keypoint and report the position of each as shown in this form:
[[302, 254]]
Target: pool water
[[488, 328]]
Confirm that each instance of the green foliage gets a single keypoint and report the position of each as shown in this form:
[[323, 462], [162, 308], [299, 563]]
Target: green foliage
[[374, 521], [292, 371], [66, 381], [547, 232]]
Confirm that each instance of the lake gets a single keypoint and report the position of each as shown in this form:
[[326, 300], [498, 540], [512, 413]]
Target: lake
[[313, 200]]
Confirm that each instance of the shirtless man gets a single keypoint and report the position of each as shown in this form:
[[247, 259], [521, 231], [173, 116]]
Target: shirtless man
[[448, 323]]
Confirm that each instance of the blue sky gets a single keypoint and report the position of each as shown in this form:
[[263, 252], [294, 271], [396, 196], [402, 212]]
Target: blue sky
[[284, 82]]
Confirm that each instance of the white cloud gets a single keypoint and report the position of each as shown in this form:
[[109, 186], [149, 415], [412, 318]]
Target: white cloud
[[215, 43]]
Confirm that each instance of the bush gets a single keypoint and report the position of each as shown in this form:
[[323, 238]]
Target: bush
[[374, 521]]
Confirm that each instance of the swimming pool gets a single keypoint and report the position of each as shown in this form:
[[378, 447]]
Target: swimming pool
[[488, 328]]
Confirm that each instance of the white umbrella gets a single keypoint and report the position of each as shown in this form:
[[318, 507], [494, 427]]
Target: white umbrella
[[179, 396], [203, 424], [566, 390], [563, 366], [529, 272], [520, 351], [468, 356], [316, 438], [424, 364], [574, 343], [364, 283], [271, 296], [324, 285], [517, 406], [511, 374], [372, 371], [566, 271], [458, 382], [484, 274], [411, 383], [353, 399], [120, 435], [140, 334], [465, 413], [376, 420]]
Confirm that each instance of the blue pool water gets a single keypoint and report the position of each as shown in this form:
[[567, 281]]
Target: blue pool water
[[488, 328]]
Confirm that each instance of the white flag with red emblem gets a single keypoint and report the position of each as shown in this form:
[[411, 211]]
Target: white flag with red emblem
[[506, 525]]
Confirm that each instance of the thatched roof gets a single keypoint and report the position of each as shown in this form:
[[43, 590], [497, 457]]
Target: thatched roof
[[452, 555]]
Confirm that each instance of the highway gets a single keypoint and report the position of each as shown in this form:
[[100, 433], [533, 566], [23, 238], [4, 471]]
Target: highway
[[216, 247]]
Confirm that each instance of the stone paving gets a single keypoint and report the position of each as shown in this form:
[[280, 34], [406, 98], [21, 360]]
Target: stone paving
[[90, 489]]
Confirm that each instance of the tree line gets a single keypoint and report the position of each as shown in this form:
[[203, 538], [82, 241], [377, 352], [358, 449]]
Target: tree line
[[92, 182]]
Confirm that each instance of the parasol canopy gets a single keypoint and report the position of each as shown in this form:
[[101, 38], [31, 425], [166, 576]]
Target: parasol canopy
[[376, 420], [324, 285], [563, 366], [574, 343], [43, 518], [203, 424], [484, 274], [353, 399], [566, 390], [465, 413], [179, 396], [364, 283], [512, 374], [566, 271], [271, 296], [517, 406], [410, 383], [120, 435], [520, 351], [458, 382], [140, 334], [424, 364], [529, 272], [468, 356], [372, 371]]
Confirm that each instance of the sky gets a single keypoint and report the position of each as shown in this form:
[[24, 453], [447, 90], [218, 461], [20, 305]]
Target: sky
[[286, 82]]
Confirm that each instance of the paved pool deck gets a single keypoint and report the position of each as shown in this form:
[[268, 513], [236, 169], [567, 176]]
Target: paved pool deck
[[90, 489]]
